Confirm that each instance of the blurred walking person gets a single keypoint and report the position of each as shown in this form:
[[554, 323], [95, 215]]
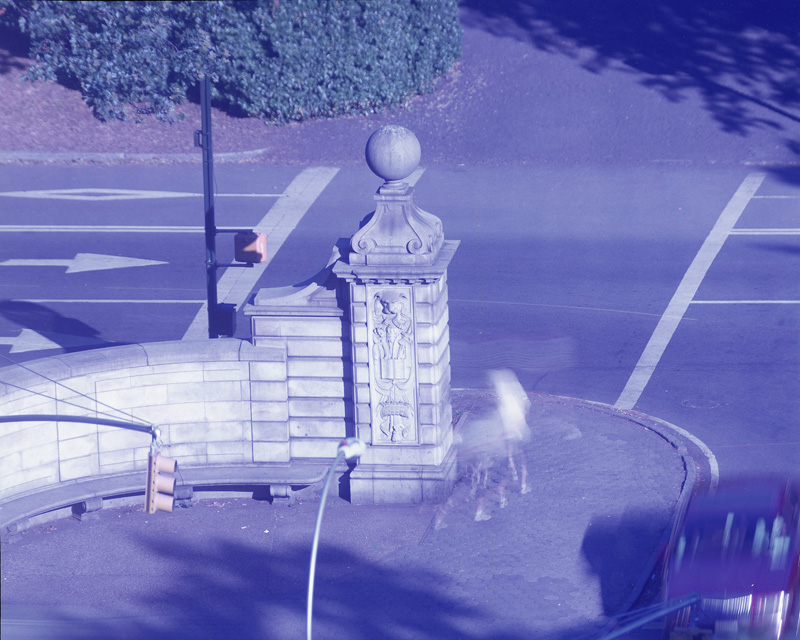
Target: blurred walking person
[[501, 437], [513, 406]]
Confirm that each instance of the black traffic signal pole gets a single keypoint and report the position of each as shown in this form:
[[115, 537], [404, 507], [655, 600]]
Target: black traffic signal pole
[[208, 204], [202, 139]]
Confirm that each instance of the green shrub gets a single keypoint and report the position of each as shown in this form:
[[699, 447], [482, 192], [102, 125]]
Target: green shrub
[[283, 60]]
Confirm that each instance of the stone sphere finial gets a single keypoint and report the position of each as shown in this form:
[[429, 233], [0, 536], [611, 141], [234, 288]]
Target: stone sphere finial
[[392, 152]]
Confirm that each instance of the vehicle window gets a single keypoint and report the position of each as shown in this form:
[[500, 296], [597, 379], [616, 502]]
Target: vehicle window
[[779, 544], [719, 536], [760, 538], [793, 510], [679, 552], [732, 536]]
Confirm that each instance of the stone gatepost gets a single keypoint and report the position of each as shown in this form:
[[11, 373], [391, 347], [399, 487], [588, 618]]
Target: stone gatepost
[[396, 273]]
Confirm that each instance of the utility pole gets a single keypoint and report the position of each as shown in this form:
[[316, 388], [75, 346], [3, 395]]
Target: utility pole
[[205, 143], [250, 246]]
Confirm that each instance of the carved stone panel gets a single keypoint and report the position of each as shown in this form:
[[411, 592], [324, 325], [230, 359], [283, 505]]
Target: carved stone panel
[[392, 364]]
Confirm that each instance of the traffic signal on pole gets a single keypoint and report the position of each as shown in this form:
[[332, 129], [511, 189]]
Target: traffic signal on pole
[[250, 247], [160, 485]]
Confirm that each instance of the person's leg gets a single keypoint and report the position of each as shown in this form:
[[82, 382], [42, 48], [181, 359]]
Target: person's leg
[[511, 464], [518, 455], [501, 491], [480, 513], [524, 486]]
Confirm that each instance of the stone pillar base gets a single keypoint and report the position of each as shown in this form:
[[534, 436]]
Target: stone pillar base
[[403, 484]]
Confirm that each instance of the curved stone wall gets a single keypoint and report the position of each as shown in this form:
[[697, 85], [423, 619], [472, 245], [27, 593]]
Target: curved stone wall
[[206, 396]]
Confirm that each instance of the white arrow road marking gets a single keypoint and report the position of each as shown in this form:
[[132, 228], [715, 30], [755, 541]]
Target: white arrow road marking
[[83, 262], [120, 194], [29, 340]]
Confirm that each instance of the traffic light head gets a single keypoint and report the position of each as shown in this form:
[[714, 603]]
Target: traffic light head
[[160, 483]]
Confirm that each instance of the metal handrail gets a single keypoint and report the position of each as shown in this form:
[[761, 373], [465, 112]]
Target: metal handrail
[[648, 614]]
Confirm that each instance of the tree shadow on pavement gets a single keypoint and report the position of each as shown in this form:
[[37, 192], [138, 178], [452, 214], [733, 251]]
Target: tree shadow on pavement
[[788, 174], [613, 545], [228, 590], [740, 56], [62, 331]]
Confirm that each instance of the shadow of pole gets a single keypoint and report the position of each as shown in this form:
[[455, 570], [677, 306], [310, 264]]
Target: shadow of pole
[[737, 55], [57, 328]]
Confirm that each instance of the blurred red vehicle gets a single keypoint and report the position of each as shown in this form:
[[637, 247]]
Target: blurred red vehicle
[[738, 549]]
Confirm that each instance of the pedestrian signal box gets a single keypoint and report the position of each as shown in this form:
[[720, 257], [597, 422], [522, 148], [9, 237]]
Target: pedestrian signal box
[[250, 247], [160, 483]]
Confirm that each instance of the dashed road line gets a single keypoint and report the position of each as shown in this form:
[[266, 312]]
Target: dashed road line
[[765, 232], [551, 306], [745, 301], [686, 291]]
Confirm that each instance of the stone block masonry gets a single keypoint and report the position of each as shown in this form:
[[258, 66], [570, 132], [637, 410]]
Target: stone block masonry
[[395, 280], [362, 349], [197, 393]]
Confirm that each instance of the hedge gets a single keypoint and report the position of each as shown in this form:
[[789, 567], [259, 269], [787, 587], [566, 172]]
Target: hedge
[[283, 60]]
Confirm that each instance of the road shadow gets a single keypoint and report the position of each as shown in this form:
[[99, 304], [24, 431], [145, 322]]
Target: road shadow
[[788, 174], [229, 590], [66, 333], [785, 248], [611, 545], [740, 56]]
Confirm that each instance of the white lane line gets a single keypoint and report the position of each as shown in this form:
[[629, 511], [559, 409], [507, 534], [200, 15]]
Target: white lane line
[[78, 228], [105, 301], [686, 290], [40, 228], [765, 232], [775, 197], [235, 284], [93, 194], [551, 306], [745, 301]]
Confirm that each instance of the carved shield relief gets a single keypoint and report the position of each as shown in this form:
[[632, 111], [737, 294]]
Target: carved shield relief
[[392, 364]]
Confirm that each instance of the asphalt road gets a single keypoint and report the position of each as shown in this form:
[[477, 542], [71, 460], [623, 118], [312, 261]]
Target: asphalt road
[[617, 241], [566, 275]]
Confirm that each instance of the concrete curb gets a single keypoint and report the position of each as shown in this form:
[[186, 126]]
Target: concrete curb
[[690, 465], [55, 157], [559, 412], [672, 435]]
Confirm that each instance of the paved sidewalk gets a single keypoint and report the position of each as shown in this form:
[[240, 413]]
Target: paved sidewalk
[[552, 564]]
